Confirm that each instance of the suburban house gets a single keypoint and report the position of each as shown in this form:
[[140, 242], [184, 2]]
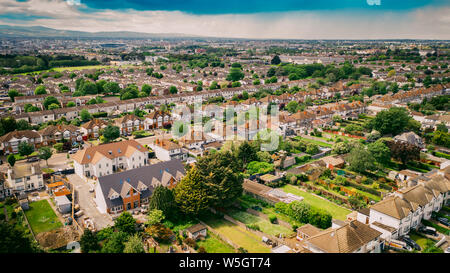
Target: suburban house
[[351, 237], [129, 123], [157, 119], [402, 211], [167, 150], [9, 143], [130, 189], [56, 133], [410, 138], [106, 159], [25, 177], [91, 129]]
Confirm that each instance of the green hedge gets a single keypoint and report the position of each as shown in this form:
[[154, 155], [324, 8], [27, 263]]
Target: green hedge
[[363, 188], [100, 115]]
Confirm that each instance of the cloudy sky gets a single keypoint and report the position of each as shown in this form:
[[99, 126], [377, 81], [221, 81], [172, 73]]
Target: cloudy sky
[[279, 19]]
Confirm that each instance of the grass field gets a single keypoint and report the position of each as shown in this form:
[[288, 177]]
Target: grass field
[[422, 241], [238, 235], [336, 211], [323, 144], [213, 244], [264, 225], [41, 217]]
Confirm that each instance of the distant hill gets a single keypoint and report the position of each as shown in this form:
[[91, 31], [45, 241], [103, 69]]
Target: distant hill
[[44, 32]]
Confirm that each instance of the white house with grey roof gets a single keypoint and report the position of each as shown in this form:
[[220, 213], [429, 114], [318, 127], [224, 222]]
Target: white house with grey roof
[[130, 189]]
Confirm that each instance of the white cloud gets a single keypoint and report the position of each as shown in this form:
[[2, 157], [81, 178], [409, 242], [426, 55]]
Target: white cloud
[[428, 23]]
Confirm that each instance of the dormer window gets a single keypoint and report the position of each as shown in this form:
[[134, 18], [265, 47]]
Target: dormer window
[[119, 151]]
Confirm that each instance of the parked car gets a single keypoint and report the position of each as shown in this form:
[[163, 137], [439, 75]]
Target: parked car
[[33, 159], [410, 242], [444, 221], [447, 250], [74, 150], [399, 245], [428, 230]]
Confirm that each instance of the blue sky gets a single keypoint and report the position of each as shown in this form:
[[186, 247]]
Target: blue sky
[[254, 6], [296, 19]]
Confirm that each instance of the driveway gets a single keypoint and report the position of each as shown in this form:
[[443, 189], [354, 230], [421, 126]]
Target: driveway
[[87, 204]]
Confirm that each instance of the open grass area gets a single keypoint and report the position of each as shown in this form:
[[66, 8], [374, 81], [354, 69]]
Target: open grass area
[[41, 217], [238, 235], [20, 157], [264, 225], [213, 244], [320, 143], [422, 241], [336, 211]]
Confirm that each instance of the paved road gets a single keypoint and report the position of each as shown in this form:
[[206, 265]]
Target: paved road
[[87, 204], [57, 161]]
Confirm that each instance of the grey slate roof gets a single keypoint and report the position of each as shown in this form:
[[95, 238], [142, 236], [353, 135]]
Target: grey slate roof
[[123, 181]]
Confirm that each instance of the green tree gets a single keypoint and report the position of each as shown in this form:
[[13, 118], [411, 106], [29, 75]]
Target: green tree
[[14, 240], [23, 125], [53, 106], [125, 223], [173, 90], [11, 160], [45, 153], [275, 60], [85, 115], [13, 93], [162, 199], [115, 243], [392, 121], [155, 216], [299, 211], [40, 90], [89, 241], [246, 153], [71, 104], [360, 160], [442, 127], [191, 194], [403, 152], [235, 74], [221, 177], [25, 149], [146, 89], [111, 87], [134, 245], [292, 107], [49, 101], [380, 152], [110, 132]]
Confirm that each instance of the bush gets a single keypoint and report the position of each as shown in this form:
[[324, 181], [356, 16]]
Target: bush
[[100, 115], [253, 226], [190, 242], [272, 218], [201, 250]]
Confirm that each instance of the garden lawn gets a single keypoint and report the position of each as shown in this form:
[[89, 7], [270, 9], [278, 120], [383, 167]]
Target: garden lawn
[[422, 241], [264, 225], [336, 211], [41, 217], [323, 144], [239, 236], [213, 244]]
